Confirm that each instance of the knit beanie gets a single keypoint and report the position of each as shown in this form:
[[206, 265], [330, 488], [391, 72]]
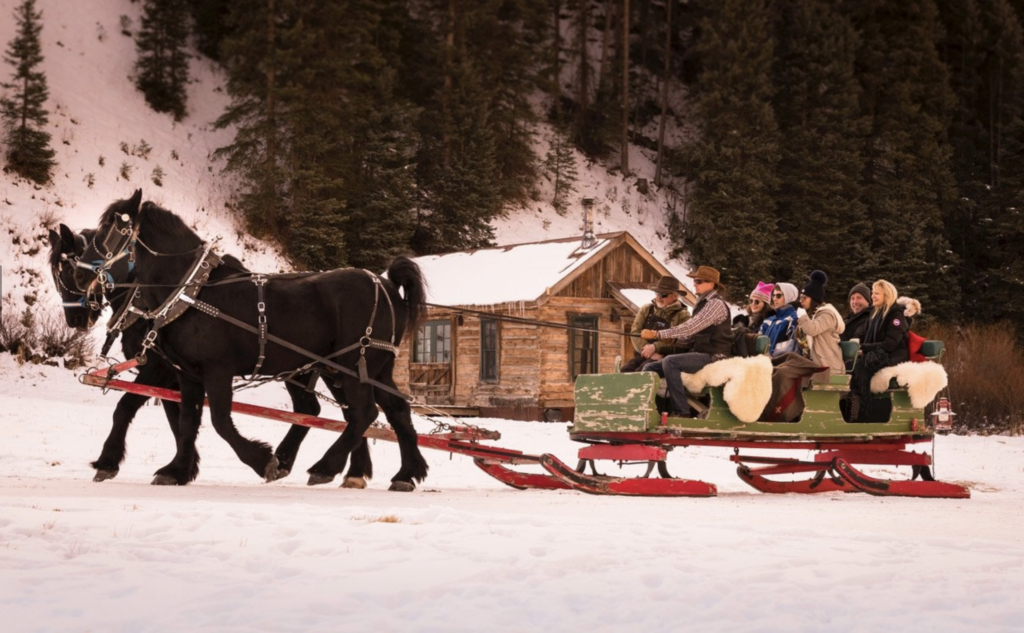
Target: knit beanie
[[815, 288], [763, 292], [862, 290], [789, 291]]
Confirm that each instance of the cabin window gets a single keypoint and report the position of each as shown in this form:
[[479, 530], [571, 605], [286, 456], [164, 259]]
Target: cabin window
[[433, 342], [488, 350], [582, 345]]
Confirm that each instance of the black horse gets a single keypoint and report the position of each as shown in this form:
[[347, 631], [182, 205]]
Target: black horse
[[66, 250], [335, 322]]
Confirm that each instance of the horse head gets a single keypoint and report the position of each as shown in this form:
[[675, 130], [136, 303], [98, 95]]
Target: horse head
[[139, 238], [66, 249]]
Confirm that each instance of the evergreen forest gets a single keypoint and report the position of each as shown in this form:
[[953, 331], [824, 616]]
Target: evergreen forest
[[866, 138]]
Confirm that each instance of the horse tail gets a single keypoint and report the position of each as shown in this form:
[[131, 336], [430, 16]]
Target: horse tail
[[405, 274]]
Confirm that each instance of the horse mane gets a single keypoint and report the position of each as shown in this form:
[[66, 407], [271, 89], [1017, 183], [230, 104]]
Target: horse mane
[[167, 222]]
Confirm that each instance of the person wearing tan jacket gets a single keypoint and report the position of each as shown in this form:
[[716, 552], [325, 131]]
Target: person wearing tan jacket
[[822, 326]]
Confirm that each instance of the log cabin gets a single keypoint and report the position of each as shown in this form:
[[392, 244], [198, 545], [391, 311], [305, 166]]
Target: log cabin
[[510, 328]]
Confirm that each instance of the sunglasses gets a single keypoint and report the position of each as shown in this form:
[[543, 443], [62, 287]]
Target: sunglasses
[[665, 295], [756, 302], [701, 281], [778, 296]]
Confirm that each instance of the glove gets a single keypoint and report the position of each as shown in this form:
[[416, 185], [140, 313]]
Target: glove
[[649, 335]]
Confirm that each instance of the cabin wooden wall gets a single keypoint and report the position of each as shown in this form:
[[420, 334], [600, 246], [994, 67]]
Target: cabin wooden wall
[[533, 365], [621, 264]]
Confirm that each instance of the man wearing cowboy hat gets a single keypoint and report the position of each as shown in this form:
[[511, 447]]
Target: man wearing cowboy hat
[[664, 311], [707, 336]]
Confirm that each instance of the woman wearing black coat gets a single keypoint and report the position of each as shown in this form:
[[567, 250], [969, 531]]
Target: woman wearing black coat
[[884, 344]]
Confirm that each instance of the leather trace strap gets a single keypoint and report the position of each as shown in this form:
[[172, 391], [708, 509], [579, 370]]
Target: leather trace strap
[[206, 308], [179, 301], [261, 322]]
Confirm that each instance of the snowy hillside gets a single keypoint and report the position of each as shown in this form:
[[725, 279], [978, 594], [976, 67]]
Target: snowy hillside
[[108, 143]]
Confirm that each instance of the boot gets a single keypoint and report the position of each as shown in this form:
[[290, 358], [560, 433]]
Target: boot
[[854, 407]]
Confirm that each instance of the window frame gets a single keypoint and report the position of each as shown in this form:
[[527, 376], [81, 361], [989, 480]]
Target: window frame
[[428, 333], [578, 341], [495, 352]]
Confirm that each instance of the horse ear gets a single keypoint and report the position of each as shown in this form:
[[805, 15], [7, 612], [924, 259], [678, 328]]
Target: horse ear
[[135, 203], [67, 237], [54, 239]]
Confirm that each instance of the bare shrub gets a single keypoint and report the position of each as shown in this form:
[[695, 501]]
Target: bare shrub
[[43, 339], [986, 376]]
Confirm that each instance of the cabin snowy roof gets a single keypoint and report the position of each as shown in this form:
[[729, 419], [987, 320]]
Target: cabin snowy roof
[[508, 274]]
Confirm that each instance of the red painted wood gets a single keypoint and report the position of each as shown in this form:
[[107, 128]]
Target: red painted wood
[[518, 479], [624, 452]]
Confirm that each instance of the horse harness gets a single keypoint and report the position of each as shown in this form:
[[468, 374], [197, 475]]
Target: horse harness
[[184, 297]]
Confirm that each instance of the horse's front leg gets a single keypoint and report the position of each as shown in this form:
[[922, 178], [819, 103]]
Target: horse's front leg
[[257, 455], [109, 462], [185, 465], [399, 415], [286, 452], [360, 412]]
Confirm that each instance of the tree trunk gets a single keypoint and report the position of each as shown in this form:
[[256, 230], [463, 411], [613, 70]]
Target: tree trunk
[[270, 106], [664, 93], [446, 90], [583, 98], [605, 44], [624, 163]]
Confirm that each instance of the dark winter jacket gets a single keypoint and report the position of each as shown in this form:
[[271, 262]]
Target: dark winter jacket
[[885, 344], [856, 325], [887, 334]]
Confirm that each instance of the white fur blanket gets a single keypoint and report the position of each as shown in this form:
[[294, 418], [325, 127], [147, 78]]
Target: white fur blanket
[[922, 380], [748, 384]]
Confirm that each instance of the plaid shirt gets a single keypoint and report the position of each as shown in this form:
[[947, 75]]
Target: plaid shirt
[[713, 313]]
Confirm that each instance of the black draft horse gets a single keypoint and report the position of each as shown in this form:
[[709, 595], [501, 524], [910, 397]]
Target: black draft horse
[[66, 250], [317, 313]]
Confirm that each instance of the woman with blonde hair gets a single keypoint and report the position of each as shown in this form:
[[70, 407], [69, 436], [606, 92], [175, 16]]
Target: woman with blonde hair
[[884, 344]]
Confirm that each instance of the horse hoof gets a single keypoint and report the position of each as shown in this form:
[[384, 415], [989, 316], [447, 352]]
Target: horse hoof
[[280, 474], [354, 482], [402, 486], [103, 475], [164, 480], [315, 479], [271, 473]]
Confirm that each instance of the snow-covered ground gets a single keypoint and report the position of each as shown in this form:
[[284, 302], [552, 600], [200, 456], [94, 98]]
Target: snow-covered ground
[[465, 553]]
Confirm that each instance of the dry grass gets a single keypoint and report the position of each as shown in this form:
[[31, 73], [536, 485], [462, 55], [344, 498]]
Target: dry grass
[[986, 376], [387, 518], [41, 339]]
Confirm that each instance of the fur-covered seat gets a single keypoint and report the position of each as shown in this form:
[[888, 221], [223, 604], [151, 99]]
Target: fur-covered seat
[[747, 384], [922, 380]]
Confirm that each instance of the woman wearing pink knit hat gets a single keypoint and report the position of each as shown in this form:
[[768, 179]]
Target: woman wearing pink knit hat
[[759, 306]]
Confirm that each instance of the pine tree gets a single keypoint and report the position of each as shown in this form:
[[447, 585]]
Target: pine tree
[[909, 183], [963, 50], [24, 108], [821, 217], [457, 170], [1001, 272], [210, 25], [731, 221], [560, 163], [161, 71]]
